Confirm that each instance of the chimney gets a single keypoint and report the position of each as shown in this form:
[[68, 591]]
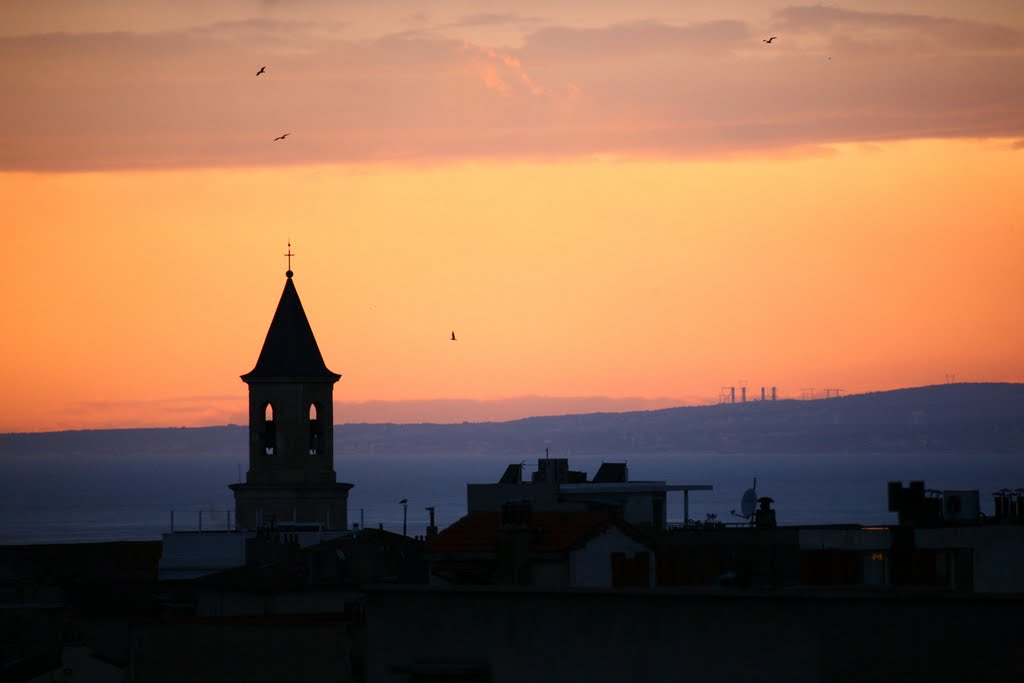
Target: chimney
[[764, 516], [743, 394], [515, 535], [431, 528]]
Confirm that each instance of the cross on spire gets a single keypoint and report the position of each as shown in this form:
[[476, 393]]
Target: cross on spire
[[289, 255]]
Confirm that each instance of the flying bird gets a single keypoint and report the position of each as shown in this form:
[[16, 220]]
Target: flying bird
[[769, 40], [453, 336], [262, 70], [281, 137]]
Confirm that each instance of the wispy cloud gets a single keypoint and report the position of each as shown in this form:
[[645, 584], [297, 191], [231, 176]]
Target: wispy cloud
[[167, 412], [494, 19], [564, 45], [909, 33], [190, 98], [500, 71]]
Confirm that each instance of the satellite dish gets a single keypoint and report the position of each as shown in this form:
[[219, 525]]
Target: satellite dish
[[749, 501]]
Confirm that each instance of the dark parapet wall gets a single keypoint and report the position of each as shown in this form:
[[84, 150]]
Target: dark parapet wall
[[532, 635], [64, 563]]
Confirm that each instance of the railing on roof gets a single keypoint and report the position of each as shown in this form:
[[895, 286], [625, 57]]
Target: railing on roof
[[697, 525], [201, 519]]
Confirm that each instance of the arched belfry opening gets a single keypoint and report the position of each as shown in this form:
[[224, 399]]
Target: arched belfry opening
[[291, 401], [269, 430], [315, 432]]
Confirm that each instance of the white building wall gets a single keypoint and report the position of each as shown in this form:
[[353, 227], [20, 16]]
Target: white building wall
[[591, 565], [638, 509], [998, 553]]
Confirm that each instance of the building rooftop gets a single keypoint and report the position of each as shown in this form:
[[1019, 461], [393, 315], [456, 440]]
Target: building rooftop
[[591, 487], [556, 531]]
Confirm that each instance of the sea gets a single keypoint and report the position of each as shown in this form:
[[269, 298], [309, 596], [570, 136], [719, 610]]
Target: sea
[[66, 498]]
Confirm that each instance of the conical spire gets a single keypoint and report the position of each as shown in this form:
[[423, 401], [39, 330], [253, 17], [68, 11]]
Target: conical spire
[[290, 351]]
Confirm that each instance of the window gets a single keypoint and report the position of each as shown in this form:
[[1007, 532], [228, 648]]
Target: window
[[315, 433], [269, 430]]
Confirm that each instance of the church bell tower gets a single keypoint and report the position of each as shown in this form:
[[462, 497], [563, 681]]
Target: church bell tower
[[291, 477]]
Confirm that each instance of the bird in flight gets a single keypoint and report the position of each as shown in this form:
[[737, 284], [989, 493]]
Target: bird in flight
[[453, 336], [262, 70], [769, 40], [281, 137]]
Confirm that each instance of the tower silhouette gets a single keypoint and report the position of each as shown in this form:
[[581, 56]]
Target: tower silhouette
[[291, 475]]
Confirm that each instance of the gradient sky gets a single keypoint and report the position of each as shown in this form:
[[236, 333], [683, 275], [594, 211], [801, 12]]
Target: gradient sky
[[630, 205]]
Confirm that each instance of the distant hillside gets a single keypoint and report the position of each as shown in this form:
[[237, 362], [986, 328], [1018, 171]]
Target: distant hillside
[[948, 418]]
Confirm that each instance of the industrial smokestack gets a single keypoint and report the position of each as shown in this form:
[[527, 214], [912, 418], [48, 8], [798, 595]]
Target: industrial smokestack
[[773, 393], [732, 394], [743, 394], [762, 393]]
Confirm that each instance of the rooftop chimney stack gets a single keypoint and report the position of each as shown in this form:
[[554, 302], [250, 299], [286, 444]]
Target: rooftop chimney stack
[[431, 528]]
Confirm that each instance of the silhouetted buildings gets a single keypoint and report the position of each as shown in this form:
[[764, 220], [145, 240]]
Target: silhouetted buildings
[[550, 577], [518, 546], [553, 486]]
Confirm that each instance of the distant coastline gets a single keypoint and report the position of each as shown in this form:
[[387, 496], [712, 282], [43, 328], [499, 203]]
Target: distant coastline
[[965, 417]]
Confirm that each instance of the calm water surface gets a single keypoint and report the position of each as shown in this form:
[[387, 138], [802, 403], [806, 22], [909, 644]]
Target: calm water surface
[[61, 498]]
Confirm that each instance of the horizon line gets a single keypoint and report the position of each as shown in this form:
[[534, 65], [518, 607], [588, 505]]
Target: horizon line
[[526, 417]]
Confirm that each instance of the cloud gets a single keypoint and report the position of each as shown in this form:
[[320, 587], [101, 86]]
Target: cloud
[[890, 31], [497, 69], [562, 45], [174, 411], [493, 19], [189, 98]]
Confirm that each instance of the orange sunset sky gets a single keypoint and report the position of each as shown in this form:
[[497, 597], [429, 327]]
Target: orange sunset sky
[[613, 205]]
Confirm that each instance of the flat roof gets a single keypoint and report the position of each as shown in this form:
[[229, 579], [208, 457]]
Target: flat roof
[[630, 487]]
